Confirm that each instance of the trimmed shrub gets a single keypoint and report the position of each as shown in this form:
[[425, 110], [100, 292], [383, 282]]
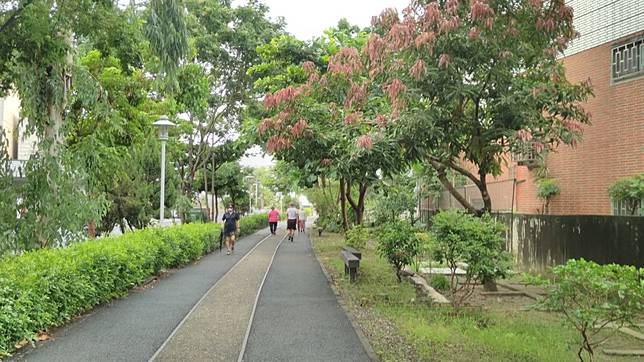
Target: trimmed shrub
[[399, 244], [478, 242], [357, 237], [45, 288]]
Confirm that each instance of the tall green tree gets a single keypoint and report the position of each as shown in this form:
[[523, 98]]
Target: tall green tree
[[477, 80]]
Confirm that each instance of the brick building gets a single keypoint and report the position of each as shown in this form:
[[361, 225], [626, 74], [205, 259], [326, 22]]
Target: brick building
[[610, 52]]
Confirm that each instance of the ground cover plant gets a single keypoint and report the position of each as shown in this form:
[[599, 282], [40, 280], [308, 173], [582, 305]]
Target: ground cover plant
[[400, 328]]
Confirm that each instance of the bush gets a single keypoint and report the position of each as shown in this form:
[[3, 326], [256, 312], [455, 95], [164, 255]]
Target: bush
[[630, 191], [357, 237], [399, 244], [591, 296], [439, 282], [45, 288], [251, 223], [478, 242]]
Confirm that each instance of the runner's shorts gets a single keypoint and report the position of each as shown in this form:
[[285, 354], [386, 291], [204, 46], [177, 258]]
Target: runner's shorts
[[291, 224]]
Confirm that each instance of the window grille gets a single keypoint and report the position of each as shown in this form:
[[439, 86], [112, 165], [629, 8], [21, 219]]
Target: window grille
[[628, 60], [621, 208]]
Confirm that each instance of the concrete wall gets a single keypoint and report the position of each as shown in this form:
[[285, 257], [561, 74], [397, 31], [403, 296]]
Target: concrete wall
[[539, 242]]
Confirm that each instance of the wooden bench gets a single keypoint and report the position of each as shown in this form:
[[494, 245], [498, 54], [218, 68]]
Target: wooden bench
[[351, 259], [353, 251]]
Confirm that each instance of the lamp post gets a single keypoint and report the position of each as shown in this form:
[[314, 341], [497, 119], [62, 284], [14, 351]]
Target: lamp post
[[250, 193], [163, 123]]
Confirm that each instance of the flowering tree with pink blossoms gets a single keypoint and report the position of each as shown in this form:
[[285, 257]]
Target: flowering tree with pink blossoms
[[474, 80], [335, 123]]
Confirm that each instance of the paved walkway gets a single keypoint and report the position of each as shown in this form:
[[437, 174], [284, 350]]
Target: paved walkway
[[267, 302]]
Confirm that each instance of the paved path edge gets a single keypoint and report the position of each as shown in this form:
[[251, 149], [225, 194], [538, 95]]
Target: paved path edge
[[259, 292], [354, 324], [194, 307]]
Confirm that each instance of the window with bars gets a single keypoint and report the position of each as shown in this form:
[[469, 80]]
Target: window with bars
[[621, 208], [628, 60]]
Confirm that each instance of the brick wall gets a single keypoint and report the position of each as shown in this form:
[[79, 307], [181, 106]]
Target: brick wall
[[612, 147]]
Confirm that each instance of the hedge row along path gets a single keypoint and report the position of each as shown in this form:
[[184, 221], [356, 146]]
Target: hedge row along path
[[267, 302]]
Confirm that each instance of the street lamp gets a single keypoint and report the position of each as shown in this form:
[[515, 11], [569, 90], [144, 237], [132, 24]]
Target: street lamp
[[250, 193], [163, 123]]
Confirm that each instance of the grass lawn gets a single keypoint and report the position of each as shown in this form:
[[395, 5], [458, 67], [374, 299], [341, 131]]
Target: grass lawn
[[402, 329]]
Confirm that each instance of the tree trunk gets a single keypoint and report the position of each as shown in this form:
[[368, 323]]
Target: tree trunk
[[212, 191], [216, 203], [358, 207], [442, 176], [487, 201], [343, 204], [205, 189], [56, 109], [91, 229]]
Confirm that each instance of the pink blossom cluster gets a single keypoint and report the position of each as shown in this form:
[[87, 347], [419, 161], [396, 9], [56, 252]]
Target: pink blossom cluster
[[326, 162], [284, 95], [375, 48], [356, 95], [311, 71], [536, 4], [448, 25], [394, 88], [352, 118], [425, 38], [381, 121], [386, 19], [524, 135], [572, 126], [452, 7], [278, 143], [365, 141], [546, 24], [276, 122], [444, 60], [432, 15], [418, 69], [346, 62], [298, 128], [474, 33], [401, 35], [481, 11]]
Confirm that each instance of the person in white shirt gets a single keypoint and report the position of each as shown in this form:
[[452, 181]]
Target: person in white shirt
[[291, 220], [301, 222]]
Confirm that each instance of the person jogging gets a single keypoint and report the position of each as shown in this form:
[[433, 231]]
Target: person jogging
[[231, 220], [291, 220], [273, 218]]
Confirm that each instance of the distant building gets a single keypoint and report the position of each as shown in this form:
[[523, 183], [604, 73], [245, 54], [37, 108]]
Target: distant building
[[19, 146], [610, 52]]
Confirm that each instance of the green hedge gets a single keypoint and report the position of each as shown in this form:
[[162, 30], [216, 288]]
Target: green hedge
[[45, 288]]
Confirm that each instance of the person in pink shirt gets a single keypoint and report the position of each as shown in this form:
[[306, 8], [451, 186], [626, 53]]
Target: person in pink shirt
[[273, 218]]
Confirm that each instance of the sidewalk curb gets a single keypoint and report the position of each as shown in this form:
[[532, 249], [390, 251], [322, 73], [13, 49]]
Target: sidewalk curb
[[354, 324]]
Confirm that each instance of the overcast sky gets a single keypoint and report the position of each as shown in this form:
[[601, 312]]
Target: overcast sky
[[309, 18]]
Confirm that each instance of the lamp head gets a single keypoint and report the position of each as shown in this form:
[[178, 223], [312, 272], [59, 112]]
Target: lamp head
[[163, 124]]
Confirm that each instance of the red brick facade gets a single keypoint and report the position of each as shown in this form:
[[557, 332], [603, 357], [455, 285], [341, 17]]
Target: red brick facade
[[612, 147]]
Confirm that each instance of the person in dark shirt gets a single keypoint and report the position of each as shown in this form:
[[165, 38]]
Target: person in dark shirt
[[231, 220]]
